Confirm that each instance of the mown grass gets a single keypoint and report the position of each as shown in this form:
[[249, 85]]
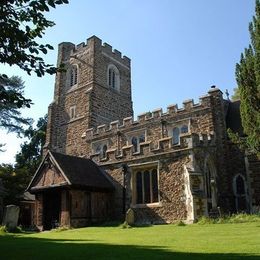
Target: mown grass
[[225, 241]]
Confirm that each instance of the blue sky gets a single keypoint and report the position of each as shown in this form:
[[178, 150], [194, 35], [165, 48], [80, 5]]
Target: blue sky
[[178, 48]]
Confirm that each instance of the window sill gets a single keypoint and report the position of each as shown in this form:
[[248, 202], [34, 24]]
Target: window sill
[[149, 205], [75, 119], [72, 88]]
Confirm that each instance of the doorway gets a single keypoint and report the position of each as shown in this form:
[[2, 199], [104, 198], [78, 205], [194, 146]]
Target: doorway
[[239, 188], [51, 209]]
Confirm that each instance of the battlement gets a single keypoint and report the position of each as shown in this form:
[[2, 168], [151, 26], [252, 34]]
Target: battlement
[[187, 141], [114, 53], [97, 43], [158, 114]]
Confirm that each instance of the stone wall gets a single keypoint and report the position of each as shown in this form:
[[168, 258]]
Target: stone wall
[[171, 206], [158, 146], [157, 127]]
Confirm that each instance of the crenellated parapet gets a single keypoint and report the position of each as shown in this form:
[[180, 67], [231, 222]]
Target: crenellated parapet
[[164, 145], [158, 115], [108, 49], [70, 49]]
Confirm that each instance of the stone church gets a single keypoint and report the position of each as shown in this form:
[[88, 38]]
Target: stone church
[[163, 167]]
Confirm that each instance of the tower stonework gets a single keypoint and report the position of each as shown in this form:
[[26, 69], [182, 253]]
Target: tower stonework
[[94, 89]]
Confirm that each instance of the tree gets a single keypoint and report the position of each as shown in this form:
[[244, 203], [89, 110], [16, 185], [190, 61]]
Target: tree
[[22, 23], [16, 178], [248, 80], [14, 183], [30, 155], [10, 115]]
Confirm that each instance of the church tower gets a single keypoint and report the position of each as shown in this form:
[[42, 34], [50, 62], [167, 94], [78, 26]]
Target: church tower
[[94, 89]]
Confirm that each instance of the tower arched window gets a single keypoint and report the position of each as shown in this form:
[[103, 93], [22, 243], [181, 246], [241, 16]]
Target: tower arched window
[[113, 77], [73, 77]]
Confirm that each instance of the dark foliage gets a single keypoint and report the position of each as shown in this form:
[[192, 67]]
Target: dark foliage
[[248, 80], [16, 178], [23, 24], [10, 115]]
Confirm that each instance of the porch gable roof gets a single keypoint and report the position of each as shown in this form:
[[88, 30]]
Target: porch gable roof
[[74, 171]]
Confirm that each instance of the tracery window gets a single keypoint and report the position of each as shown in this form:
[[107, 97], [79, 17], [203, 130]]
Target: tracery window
[[146, 186], [136, 139], [100, 148]]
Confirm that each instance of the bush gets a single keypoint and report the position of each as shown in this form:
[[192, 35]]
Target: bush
[[242, 218], [180, 224], [205, 220], [235, 218]]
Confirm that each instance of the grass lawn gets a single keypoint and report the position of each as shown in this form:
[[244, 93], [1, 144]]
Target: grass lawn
[[209, 241]]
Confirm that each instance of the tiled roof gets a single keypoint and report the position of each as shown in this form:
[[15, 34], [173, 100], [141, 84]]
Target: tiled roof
[[79, 172], [82, 171]]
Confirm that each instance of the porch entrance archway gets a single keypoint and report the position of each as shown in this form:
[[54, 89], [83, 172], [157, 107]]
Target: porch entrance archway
[[51, 209]]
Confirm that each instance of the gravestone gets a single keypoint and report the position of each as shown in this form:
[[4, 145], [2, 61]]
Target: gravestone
[[130, 217], [11, 216]]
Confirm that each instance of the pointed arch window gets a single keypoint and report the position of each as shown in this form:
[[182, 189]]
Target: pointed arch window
[[136, 139], [239, 187], [113, 77], [100, 148]]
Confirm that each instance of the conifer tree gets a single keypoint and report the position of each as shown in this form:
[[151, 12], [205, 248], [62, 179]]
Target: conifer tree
[[248, 80]]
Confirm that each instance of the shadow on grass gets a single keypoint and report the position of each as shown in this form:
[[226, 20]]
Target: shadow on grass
[[14, 247]]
